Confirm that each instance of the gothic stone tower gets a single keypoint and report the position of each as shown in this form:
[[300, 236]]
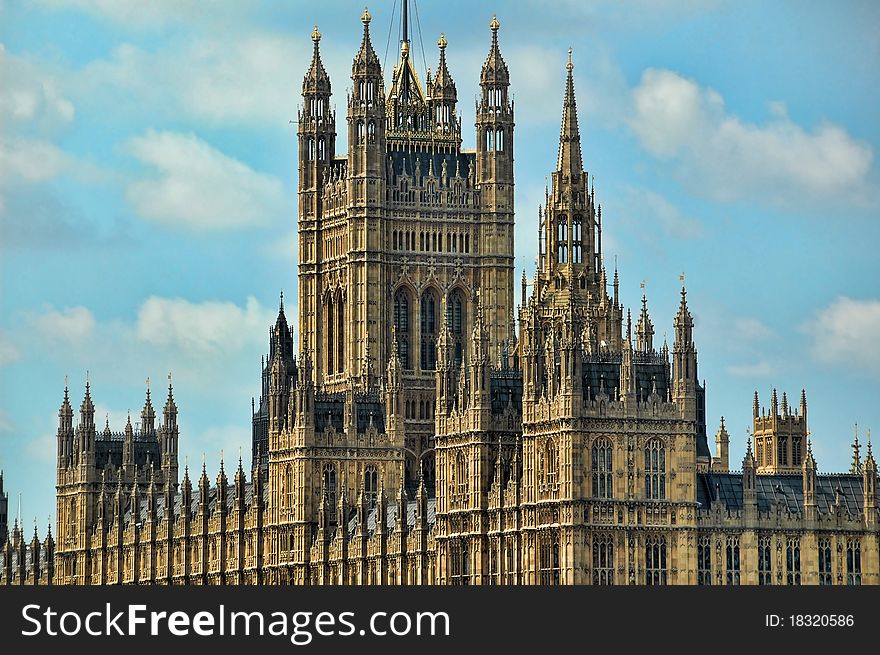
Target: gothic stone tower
[[94, 465], [403, 230]]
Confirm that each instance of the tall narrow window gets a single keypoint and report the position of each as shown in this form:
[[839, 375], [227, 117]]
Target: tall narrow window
[[455, 315], [429, 307], [765, 562], [853, 562], [602, 469], [793, 561], [576, 241], [562, 240], [371, 485], [796, 452], [603, 559], [549, 559], [340, 338], [461, 476], [704, 561], [825, 577], [783, 452], [732, 561], [551, 464], [655, 470], [330, 334], [328, 484], [655, 561], [401, 322]]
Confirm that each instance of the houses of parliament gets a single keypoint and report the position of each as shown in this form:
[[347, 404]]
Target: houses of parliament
[[438, 423]]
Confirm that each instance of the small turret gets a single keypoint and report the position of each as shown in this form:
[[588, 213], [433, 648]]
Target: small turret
[[721, 462]]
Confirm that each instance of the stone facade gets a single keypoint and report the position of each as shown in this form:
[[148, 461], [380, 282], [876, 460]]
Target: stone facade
[[425, 432]]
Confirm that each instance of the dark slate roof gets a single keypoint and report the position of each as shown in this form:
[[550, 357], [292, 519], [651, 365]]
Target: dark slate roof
[[786, 491], [391, 517], [426, 159]]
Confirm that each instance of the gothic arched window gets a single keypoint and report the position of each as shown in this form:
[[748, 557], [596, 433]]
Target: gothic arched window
[[328, 485], [330, 323], [655, 561], [371, 485], [603, 559], [499, 139], [550, 463], [401, 322], [602, 469], [576, 241], [455, 315], [460, 478], [340, 334], [562, 240], [429, 307], [655, 470]]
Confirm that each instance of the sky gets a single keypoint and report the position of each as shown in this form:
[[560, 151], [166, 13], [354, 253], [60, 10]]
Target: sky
[[148, 194]]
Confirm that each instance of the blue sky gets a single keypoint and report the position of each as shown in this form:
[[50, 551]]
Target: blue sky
[[148, 193]]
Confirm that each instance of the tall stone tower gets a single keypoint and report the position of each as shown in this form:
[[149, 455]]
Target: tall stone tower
[[780, 435]]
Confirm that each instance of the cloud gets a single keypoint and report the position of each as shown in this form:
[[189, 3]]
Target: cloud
[[197, 187], [200, 327], [845, 334], [5, 422], [71, 326], [8, 352], [242, 78], [719, 154], [647, 208], [30, 96], [135, 13], [759, 369], [751, 329]]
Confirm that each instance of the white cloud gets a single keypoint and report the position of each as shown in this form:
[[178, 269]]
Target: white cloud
[[29, 95], [759, 369], [751, 329], [5, 421], [136, 13], [720, 154], [845, 333], [32, 160], [8, 352], [198, 187], [70, 326], [646, 208], [251, 78], [207, 326]]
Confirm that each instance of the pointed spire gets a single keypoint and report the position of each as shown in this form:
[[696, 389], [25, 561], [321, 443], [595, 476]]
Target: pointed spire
[[316, 79], [366, 61], [569, 160], [494, 68], [856, 466]]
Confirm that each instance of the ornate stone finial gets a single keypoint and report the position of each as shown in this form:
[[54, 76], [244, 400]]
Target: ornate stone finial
[[494, 25], [316, 35], [681, 279], [569, 66], [365, 17], [404, 48], [442, 42]]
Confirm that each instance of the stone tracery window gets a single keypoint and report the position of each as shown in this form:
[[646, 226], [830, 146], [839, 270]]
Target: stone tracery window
[[655, 560], [732, 561], [704, 561], [603, 559], [825, 577], [602, 469], [402, 323], [429, 309], [655, 470]]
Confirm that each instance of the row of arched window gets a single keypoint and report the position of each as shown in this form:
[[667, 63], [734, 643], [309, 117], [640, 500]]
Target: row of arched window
[[429, 324], [367, 135], [562, 240], [370, 485], [494, 138], [310, 148], [602, 468], [334, 246], [419, 409], [430, 241]]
